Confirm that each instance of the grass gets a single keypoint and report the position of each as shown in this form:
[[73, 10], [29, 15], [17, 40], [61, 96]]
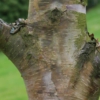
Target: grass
[[93, 21], [11, 83]]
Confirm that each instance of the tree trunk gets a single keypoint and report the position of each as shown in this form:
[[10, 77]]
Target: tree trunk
[[54, 54]]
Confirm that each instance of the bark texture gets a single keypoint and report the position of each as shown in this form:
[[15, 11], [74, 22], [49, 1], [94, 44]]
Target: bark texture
[[53, 53]]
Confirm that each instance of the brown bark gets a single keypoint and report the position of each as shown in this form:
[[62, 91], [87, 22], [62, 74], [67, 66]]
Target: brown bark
[[50, 52]]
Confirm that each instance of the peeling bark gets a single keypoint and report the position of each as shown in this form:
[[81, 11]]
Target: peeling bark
[[54, 53]]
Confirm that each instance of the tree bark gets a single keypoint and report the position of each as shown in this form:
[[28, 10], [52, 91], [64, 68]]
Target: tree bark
[[54, 54]]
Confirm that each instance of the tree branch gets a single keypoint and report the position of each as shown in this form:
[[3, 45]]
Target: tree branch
[[12, 45]]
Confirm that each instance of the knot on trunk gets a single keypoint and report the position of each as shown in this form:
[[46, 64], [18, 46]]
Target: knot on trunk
[[54, 15]]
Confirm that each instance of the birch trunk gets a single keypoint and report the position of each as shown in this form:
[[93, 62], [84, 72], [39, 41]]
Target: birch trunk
[[48, 51]]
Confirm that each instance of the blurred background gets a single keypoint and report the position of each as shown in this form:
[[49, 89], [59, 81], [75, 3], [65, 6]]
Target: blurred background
[[13, 9], [11, 83]]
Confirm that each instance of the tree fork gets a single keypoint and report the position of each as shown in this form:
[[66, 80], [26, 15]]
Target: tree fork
[[53, 52]]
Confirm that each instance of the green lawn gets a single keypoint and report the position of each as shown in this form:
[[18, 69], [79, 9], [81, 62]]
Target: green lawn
[[93, 21], [11, 84]]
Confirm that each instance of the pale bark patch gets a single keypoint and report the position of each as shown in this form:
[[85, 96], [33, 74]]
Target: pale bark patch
[[56, 5], [77, 7]]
